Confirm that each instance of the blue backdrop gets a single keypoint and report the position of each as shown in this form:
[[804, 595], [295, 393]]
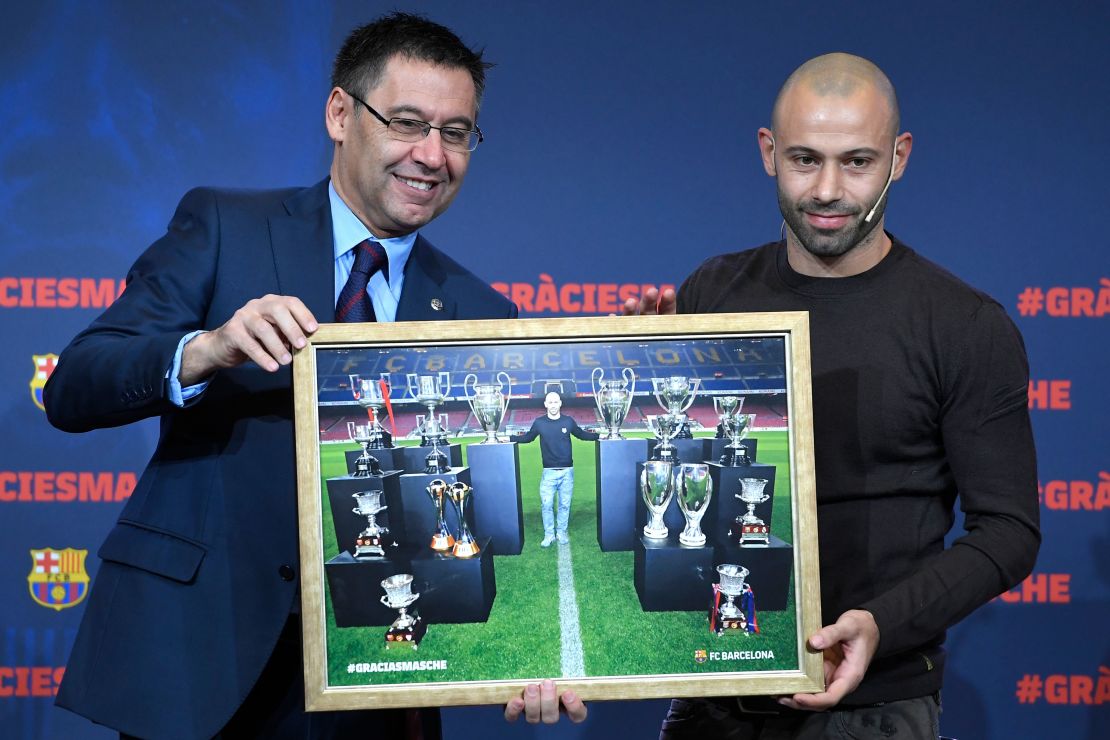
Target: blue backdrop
[[620, 150]]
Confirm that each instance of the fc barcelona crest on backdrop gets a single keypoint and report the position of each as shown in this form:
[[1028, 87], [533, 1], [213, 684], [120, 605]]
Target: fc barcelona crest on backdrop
[[58, 578], [44, 365]]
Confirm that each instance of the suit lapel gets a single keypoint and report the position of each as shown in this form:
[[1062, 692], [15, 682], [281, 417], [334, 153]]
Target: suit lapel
[[423, 289], [304, 252]]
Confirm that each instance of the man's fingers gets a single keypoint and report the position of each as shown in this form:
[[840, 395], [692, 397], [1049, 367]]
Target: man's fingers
[[575, 707], [668, 303], [514, 708], [549, 703], [532, 703]]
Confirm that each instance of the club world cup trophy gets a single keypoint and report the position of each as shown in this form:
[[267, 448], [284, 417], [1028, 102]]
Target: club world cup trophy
[[371, 395], [753, 531], [675, 394], [664, 427], [407, 629], [694, 491], [726, 407], [657, 488], [430, 391], [442, 539], [465, 546], [728, 616], [613, 399], [737, 427], [373, 540], [365, 464], [489, 402]]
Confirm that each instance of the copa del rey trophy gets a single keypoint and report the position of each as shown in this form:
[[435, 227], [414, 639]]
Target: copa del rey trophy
[[726, 407], [727, 616], [365, 464], [752, 531], [407, 629], [442, 539], [465, 545], [430, 391], [613, 399], [657, 489], [694, 491], [675, 394], [488, 402], [371, 395], [373, 540], [736, 427], [664, 427]]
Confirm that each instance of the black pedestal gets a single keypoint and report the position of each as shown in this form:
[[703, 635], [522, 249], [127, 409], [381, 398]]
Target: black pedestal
[[454, 590], [495, 475], [356, 587], [390, 458], [412, 458], [419, 512], [670, 577], [348, 524], [618, 489], [769, 568], [689, 450], [725, 507], [717, 448]]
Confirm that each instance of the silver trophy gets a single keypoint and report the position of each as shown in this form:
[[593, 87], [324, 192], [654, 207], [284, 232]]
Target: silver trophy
[[488, 402], [613, 399], [365, 464], [664, 427], [675, 394], [373, 540], [754, 532], [442, 539], [732, 585], [370, 395], [398, 595], [657, 488], [430, 391], [737, 427], [694, 491], [726, 407], [436, 462], [465, 545]]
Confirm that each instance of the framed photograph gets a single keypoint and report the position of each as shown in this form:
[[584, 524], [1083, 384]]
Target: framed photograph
[[623, 504]]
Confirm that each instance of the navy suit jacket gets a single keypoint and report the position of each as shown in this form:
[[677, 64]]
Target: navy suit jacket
[[198, 576]]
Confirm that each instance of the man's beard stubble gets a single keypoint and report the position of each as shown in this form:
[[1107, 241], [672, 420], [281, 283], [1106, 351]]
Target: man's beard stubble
[[834, 243]]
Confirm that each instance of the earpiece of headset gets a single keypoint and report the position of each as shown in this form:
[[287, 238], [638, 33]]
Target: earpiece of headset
[[889, 179]]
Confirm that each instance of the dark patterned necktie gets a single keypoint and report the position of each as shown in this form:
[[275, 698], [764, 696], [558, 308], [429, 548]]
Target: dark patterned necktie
[[354, 302]]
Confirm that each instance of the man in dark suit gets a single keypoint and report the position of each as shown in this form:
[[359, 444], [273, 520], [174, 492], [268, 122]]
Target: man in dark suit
[[192, 626]]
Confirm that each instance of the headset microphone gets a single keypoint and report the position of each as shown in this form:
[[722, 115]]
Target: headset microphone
[[889, 179]]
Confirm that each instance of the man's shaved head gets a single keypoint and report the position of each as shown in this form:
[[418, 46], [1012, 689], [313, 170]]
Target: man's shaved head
[[840, 75]]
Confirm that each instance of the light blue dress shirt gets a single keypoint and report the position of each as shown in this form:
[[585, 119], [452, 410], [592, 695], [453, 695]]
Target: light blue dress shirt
[[347, 233]]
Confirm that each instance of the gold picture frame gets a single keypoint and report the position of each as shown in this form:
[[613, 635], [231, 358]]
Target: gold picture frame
[[623, 653]]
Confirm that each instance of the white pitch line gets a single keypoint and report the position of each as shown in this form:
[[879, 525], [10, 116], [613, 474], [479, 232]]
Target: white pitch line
[[573, 664]]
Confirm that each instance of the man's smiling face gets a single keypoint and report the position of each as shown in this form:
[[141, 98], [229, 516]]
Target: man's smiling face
[[395, 187]]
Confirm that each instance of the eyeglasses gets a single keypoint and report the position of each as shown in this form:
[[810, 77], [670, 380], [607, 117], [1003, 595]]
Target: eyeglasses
[[408, 129]]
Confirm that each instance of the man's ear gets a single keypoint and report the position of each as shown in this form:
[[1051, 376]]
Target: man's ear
[[766, 140]]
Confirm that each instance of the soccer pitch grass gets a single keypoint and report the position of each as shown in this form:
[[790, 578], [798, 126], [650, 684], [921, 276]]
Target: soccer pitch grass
[[522, 639]]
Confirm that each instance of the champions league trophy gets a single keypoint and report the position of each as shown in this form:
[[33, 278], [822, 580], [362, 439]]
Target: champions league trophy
[[430, 391], [407, 629], [374, 539], [726, 407], [488, 402], [754, 532], [664, 427], [436, 462], [371, 395], [728, 616], [442, 539], [365, 464], [736, 427], [675, 394], [694, 491], [657, 488], [613, 399], [465, 546]]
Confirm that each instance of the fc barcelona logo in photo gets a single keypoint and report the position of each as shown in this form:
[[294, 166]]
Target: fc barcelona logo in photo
[[58, 578], [44, 365]]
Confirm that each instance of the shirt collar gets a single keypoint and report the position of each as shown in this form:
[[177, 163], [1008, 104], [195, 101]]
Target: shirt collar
[[348, 232]]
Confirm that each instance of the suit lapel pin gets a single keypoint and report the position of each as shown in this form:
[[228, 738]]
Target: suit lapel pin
[[437, 304]]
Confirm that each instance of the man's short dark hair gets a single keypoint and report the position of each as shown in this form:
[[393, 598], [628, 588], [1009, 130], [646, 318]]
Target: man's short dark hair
[[361, 60]]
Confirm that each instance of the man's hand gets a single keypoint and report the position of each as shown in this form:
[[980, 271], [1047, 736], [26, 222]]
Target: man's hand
[[264, 330], [542, 703], [849, 645], [651, 303]]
